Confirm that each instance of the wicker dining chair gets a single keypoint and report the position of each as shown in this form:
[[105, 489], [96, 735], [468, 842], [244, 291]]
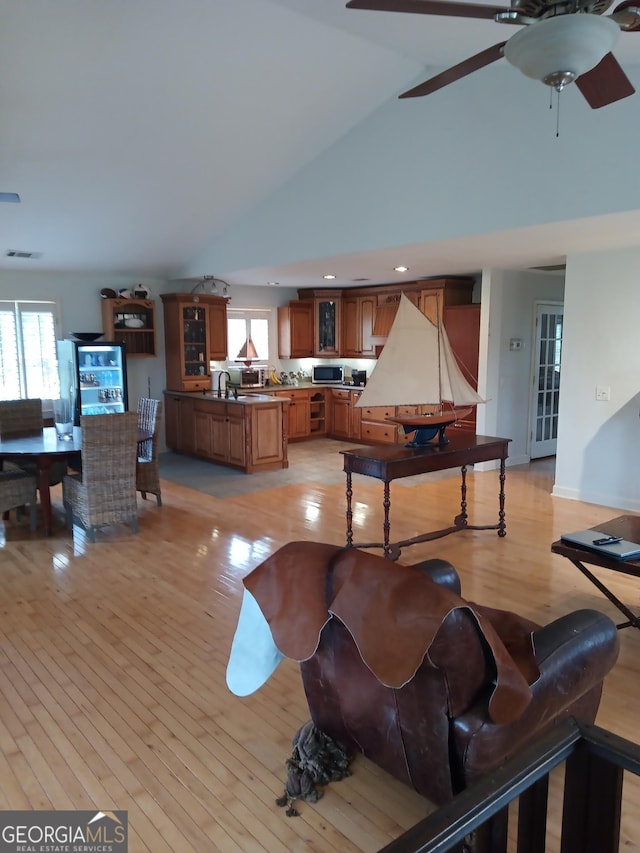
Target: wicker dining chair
[[147, 467], [21, 418], [105, 492], [17, 488]]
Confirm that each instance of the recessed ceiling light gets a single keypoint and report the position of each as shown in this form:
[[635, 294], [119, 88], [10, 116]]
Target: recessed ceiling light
[[273, 283], [328, 276], [401, 269]]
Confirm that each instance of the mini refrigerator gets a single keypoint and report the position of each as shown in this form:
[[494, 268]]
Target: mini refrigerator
[[94, 375]]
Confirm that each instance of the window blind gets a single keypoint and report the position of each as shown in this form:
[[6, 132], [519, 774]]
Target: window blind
[[28, 362]]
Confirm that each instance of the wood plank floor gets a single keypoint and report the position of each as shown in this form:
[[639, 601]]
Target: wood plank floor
[[113, 654]]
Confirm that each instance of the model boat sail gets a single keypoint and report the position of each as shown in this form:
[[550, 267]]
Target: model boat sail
[[417, 367]]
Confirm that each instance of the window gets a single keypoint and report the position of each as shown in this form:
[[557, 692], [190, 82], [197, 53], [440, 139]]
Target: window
[[28, 363], [244, 324]]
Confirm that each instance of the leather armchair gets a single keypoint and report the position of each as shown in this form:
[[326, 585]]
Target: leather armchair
[[436, 690]]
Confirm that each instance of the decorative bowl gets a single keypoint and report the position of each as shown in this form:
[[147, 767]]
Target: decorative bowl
[[134, 323], [87, 337]]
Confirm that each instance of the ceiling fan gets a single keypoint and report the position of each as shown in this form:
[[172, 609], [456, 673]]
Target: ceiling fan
[[561, 41]]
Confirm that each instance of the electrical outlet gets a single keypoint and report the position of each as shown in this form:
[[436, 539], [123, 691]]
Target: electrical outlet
[[603, 393]]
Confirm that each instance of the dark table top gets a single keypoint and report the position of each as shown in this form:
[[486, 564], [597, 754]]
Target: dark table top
[[392, 461], [626, 526], [42, 443]]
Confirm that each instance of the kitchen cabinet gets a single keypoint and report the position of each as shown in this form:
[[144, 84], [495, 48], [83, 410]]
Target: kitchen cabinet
[[132, 322], [179, 423], [340, 423], [295, 329], [299, 411], [431, 296], [462, 323], [358, 313], [248, 433], [195, 330], [317, 413], [375, 427], [327, 314]]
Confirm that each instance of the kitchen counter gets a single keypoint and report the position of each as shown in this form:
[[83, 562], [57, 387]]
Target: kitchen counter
[[248, 433]]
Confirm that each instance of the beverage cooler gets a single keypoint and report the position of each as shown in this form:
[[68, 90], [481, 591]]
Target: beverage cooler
[[95, 376]]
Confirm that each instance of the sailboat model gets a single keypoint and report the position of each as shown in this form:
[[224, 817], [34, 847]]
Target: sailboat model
[[417, 367]]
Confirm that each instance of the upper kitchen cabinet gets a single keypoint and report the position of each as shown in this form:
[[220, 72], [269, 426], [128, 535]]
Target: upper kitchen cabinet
[[295, 329], [327, 305], [358, 313], [430, 296], [195, 332], [131, 321]]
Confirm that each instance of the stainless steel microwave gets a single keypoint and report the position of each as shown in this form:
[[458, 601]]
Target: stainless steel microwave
[[248, 377], [328, 374]]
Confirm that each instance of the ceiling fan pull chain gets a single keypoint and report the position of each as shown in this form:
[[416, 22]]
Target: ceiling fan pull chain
[[558, 116], [550, 98]]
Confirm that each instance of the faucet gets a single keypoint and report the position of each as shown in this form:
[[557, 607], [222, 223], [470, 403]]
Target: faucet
[[226, 387]]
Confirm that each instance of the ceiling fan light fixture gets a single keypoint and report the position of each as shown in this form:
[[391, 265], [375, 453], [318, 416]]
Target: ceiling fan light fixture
[[558, 50]]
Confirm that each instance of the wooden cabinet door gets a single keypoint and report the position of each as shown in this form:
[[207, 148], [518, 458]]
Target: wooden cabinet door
[[340, 414], [217, 331], [202, 433], [358, 314], [295, 329], [236, 438], [179, 424], [327, 319], [367, 317], [266, 436], [298, 413], [219, 435], [462, 324], [351, 330]]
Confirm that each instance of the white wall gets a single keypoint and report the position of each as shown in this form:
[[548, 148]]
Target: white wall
[[508, 311], [478, 157], [78, 298], [599, 442]]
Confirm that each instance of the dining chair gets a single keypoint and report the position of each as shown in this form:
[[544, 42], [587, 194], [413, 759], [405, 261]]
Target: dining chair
[[147, 466], [105, 492], [18, 488], [20, 418]]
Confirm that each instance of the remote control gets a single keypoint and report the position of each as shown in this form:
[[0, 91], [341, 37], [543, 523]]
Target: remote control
[[607, 540]]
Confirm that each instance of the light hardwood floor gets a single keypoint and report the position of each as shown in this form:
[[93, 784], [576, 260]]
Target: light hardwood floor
[[112, 655]]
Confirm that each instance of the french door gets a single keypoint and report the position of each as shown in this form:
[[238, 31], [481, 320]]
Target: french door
[[546, 379]]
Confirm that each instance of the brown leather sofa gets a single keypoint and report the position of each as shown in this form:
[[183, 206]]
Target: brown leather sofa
[[436, 690]]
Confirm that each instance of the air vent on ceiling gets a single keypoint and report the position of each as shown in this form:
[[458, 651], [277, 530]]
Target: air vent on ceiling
[[10, 198], [15, 253]]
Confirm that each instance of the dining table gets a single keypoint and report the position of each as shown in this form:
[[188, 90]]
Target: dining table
[[42, 449]]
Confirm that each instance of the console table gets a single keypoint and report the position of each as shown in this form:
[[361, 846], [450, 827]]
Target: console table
[[393, 462], [626, 526]]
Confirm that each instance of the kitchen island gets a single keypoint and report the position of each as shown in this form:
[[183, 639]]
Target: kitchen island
[[248, 432]]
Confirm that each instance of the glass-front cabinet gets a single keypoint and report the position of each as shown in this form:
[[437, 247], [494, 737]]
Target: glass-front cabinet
[[195, 328], [327, 314]]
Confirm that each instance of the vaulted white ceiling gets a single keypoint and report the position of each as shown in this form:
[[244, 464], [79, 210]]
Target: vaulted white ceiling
[[137, 131]]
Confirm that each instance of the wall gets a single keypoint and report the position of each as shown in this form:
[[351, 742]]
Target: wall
[[78, 298], [598, 443], [478, 157], [508, 311]]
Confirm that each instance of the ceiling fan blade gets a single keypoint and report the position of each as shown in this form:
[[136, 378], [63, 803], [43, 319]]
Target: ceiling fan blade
[[430, 7], [605, 84], [474, 63]]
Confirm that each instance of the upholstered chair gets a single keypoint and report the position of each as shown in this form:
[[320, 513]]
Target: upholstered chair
[[436, 690]]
